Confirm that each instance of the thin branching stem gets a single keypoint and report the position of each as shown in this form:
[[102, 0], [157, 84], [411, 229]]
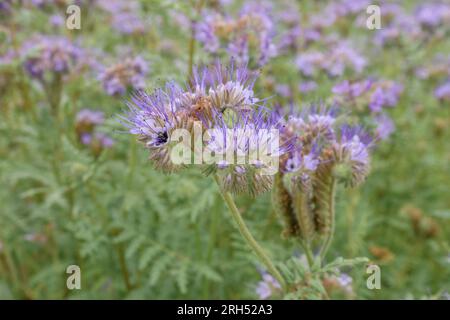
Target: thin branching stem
[[245, 232]]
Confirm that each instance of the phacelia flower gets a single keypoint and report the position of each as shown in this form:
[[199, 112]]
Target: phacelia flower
[[443, 92], [307, 86], [128, 74], [339, 58], [246, 149], [211, 92], [50, 54], [431, 15], [385, 95], [351, 153], [250, 35], [384, 126], [87, 119], [220, 87], [86, 123], [267, 287], [125, 16], [153, 118]]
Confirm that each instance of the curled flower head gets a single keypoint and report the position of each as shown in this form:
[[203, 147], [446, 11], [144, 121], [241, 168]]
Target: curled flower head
[[351, 154], [245, 150], [312, 124]]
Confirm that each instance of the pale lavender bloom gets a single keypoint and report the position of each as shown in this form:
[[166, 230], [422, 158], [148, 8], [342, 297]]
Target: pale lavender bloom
[[267, 287], [312, 35], [228, 86], [128, 23], [308, 63], [180, 19], [57, 20], [283, 90], [316, 121], [388, 35], [153, 116], [431, 15], [251, 139], [218, 31], [239, 49], [91, 117], [307, 86], [361, 87], [385, 96], [345, 282], [8, 57], [385, 126], [54, 54], [127, 74], [339, 58], [290, 16], [353, 151], [304, 163], [5, 7], [125, 15], [443, 91], [41, 3], [342, 88], [208, 27], [99, 138]]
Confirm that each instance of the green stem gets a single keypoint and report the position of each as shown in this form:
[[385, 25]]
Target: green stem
[[309, 254], [248, 236], [329, 237]]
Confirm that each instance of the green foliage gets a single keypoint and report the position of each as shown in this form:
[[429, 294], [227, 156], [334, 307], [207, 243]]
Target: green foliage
[[137, 233]]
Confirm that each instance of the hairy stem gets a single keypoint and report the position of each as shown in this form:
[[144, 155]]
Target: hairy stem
[[248, 236], [306, 246], [331, 219]]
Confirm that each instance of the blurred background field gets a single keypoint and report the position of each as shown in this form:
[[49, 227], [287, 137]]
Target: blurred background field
[[84, 193]]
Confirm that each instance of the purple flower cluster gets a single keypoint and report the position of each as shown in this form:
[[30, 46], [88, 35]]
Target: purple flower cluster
[[5, 7], [211, 90], [320, 143], [125, 17], [338, 58], [221, 99], [377, 94], [443, 92], [427, 20], [127, 74], [438, 70], [51, 54], [86, 124], [432, 15], [373, 96], [250, 35]]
